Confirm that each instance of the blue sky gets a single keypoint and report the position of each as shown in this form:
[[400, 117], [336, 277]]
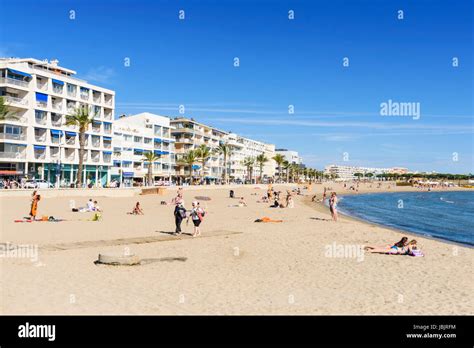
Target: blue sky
[[282, 62]]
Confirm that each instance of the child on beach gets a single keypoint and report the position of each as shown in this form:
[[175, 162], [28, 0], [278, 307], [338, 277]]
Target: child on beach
[[242, 202], [197, 215], [137, 210]]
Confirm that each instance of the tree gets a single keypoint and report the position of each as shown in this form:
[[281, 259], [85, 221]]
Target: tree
[[225, 150], [203, 153], [261, 160], [279, 159], [81, 117], [287, 168], [150, 157], [5, 112], [358, 175], [249, 162], [189, 159]]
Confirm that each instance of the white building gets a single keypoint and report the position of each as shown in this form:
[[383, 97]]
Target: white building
[[36, 142], [348, 172], [243, 148], [136, 135], [290, 156]]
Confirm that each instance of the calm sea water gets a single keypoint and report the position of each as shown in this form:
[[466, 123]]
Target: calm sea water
[[443, 215]]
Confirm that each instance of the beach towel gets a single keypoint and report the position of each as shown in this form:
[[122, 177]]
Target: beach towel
[[416, 253], [267, 219]]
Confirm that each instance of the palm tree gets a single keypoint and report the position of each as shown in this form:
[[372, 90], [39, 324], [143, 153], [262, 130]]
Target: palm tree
[[249, 162], [5, 112], [287, 168], [279, 159], [81, 117], [226, 150], [189, 159], [261, 160], [203, 153], [150, 157]]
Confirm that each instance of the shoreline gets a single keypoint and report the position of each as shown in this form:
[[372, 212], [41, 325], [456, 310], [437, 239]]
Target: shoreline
[[322, 208]]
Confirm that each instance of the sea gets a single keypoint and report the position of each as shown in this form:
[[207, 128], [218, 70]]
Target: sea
[[448, 215]]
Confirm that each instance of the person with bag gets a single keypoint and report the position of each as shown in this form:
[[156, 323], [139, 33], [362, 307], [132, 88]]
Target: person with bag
[[197, 215], [179, 216]]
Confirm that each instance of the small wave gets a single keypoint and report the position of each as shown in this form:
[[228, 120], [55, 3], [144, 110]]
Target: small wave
[[446, 200]]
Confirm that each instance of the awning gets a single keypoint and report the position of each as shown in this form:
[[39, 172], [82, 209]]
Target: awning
[[17, 72], [158, 152], [165, 153], [127, 174], [11, 172], [107, 123], [157, 140], [39, 147], [138, 150], [56, 132], [96, 122], [107, 152], [107, 138], [117, 149], [71, 134], [126, 162], [196, 166], [41, 97], [61, 83]]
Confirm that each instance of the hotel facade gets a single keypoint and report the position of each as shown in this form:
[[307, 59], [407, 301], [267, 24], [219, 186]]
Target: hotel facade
[[136, 135], [348, 172], [36, 142]]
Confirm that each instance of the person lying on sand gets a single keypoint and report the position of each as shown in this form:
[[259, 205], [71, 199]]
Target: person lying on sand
[[403, 247], [137, 210]]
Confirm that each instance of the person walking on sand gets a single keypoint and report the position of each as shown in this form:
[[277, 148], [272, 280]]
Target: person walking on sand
[[179, 216], [333, 206], [197, 215], [34, 206]]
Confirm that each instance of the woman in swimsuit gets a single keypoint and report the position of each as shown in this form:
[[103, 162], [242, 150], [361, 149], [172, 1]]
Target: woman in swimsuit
[[333, 206], [397, 248]]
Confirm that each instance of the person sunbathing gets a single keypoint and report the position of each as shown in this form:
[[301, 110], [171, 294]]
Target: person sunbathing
[[403, 247], [242, 202], [137, 210]]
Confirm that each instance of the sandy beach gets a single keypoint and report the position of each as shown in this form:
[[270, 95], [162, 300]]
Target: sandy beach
[[236, 267]]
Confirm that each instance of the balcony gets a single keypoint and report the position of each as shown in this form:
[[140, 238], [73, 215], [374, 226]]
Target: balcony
[[41, 120], [71, 141], [97, 99], [40, 138], [96, 129], [70, 158], [108, 101], [107, 130], [13, 155], [54, 154], [95, 159], [9, 136], [15, 101], [56, 122], [108, 115], [42, 86], [57, 90], [72, 93], [58, 106], [84, 96], [41, 104], [40, 155], [107, 145], [15, 82], [96, 143]]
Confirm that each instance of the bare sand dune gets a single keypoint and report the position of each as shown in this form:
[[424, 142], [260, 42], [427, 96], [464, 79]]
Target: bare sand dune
[[236, 267]]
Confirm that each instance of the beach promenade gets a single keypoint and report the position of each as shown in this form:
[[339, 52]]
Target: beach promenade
[[237, 266]]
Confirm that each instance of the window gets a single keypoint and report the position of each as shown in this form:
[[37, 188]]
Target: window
[[127, 137], [137, 139], [147, 140]]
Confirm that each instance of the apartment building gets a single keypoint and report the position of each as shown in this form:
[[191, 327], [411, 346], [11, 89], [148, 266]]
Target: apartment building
[[243, 148], [348, 172], [189, 135], [133, 137], [290, 156], [35, 142]]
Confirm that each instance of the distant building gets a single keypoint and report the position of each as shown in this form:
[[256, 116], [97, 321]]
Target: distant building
[[348, 172]]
